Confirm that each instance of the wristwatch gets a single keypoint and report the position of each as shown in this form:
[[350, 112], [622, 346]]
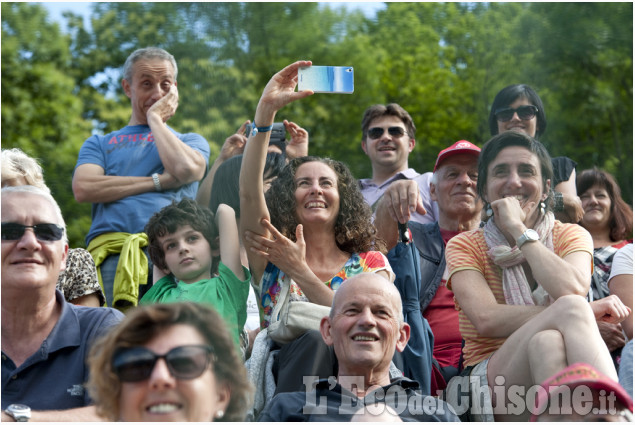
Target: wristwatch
[[529, 235], [19, 412]]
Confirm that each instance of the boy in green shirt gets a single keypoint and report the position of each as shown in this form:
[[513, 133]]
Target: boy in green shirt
[[184, 240]]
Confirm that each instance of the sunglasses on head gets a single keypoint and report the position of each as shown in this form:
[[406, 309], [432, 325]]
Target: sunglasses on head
[[525, 112], [377, 132], [137, 363], [43, 232]]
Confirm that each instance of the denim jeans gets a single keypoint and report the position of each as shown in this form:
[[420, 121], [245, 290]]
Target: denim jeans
[[625, 372]]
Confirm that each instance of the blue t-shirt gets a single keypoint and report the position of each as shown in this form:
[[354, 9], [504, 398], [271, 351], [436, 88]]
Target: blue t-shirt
[[53, 377], [131, 151]]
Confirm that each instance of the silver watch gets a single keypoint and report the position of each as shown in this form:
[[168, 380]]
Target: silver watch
[[529, 235], [19, 412]]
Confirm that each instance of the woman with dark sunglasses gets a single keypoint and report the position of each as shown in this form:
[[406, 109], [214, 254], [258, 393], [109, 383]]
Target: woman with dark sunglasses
[[519, 108], [169, 362]]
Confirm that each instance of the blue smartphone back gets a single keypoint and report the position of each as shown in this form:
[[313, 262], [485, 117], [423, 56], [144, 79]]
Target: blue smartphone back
[[326, 79]]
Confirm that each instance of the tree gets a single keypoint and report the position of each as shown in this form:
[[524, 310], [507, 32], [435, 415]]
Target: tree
[[41, 113]]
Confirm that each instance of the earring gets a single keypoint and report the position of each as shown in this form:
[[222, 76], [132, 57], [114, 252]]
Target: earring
[[219, 413], [542, 208], [488, 211]]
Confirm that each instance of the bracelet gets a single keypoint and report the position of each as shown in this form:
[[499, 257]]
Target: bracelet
[[257, 129], [157, 182], [558, 202]]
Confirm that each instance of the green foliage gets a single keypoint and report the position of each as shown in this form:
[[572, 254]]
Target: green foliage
[[443, 62]]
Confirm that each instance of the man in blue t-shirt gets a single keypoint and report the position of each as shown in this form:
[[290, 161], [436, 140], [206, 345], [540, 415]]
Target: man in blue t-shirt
[[45, 340], [130, 174]]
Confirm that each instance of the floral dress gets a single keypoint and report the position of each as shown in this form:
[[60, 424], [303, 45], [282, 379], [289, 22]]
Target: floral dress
[[272, 278]]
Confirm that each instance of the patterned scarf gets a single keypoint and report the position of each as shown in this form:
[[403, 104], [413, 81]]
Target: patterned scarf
[[515, 284]]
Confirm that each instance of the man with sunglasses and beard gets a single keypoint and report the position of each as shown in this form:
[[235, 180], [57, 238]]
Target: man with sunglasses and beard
[[44, 338], [388, 137]]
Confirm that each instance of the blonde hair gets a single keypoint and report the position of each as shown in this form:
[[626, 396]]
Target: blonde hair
[[16, 164]]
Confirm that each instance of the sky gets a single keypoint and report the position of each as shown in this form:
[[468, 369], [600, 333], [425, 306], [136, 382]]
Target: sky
[[57, 8]]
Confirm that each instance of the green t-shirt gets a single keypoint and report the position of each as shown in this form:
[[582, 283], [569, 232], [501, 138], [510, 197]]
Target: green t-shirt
[[226, 293]]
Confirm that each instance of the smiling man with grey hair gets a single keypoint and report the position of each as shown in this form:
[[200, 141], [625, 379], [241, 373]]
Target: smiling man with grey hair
[[44, 338], [365, 327]]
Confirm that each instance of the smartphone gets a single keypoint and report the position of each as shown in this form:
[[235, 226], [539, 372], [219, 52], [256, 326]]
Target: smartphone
[[326, 79]]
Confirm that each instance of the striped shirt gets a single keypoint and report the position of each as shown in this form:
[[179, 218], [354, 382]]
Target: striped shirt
[[468, 251]]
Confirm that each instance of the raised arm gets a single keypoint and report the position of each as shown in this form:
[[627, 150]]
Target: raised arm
[[234, 145], [280, 91], [229, 242]]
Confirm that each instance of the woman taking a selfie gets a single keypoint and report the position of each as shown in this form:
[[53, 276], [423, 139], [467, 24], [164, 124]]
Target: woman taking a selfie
[[310, 232]]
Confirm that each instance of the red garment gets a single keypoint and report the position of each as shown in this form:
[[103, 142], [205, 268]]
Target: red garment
[[443, 319]]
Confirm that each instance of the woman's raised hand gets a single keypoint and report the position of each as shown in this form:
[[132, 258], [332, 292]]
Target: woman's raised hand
[[280, 91]]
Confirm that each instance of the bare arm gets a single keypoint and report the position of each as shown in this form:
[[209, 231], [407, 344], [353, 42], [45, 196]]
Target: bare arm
[[491, 319], [90, 184], [290, 257], [279, 91], [234, 145], [622, 286], [299, 144], [546, 267], [229, 242], [185, 164]]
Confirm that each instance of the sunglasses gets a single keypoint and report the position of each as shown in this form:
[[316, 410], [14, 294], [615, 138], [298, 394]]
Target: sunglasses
[[525, 112], [377, 132], [45, 232], [137, 363]]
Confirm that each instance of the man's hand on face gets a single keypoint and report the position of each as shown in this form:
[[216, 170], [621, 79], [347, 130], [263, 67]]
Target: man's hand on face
[[402, 198], [165, 107]]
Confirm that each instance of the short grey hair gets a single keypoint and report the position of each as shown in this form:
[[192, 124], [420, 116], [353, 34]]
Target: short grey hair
[[39, 192], [147, 53]]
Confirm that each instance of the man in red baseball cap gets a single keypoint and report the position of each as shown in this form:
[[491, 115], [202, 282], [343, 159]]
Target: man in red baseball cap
[[453, 187]]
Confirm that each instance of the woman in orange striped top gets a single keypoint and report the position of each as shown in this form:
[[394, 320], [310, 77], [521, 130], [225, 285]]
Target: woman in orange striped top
[[520, 280]]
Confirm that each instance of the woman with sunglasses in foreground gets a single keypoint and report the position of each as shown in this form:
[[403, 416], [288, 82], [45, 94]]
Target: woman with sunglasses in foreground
[[169, 362], [519, 108]]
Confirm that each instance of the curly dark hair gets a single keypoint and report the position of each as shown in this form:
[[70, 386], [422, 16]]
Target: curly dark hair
[[354, 230], [173, 216], [141, 325], [621, 221]]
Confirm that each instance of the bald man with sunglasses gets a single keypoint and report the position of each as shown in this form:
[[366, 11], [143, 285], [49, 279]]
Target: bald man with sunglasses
[[388, 137], [44, 338]]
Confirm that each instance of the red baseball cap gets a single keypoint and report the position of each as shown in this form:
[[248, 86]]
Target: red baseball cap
[[462, 146], [580, 374]]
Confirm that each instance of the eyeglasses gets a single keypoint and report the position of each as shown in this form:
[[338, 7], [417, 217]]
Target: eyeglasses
[[525, 112], [377, 132], [137, 363], [43, 232]]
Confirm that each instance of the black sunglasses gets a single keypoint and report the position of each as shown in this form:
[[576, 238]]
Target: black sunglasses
[[525, 112], [377, 132], [43, 232], [137, 363]]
